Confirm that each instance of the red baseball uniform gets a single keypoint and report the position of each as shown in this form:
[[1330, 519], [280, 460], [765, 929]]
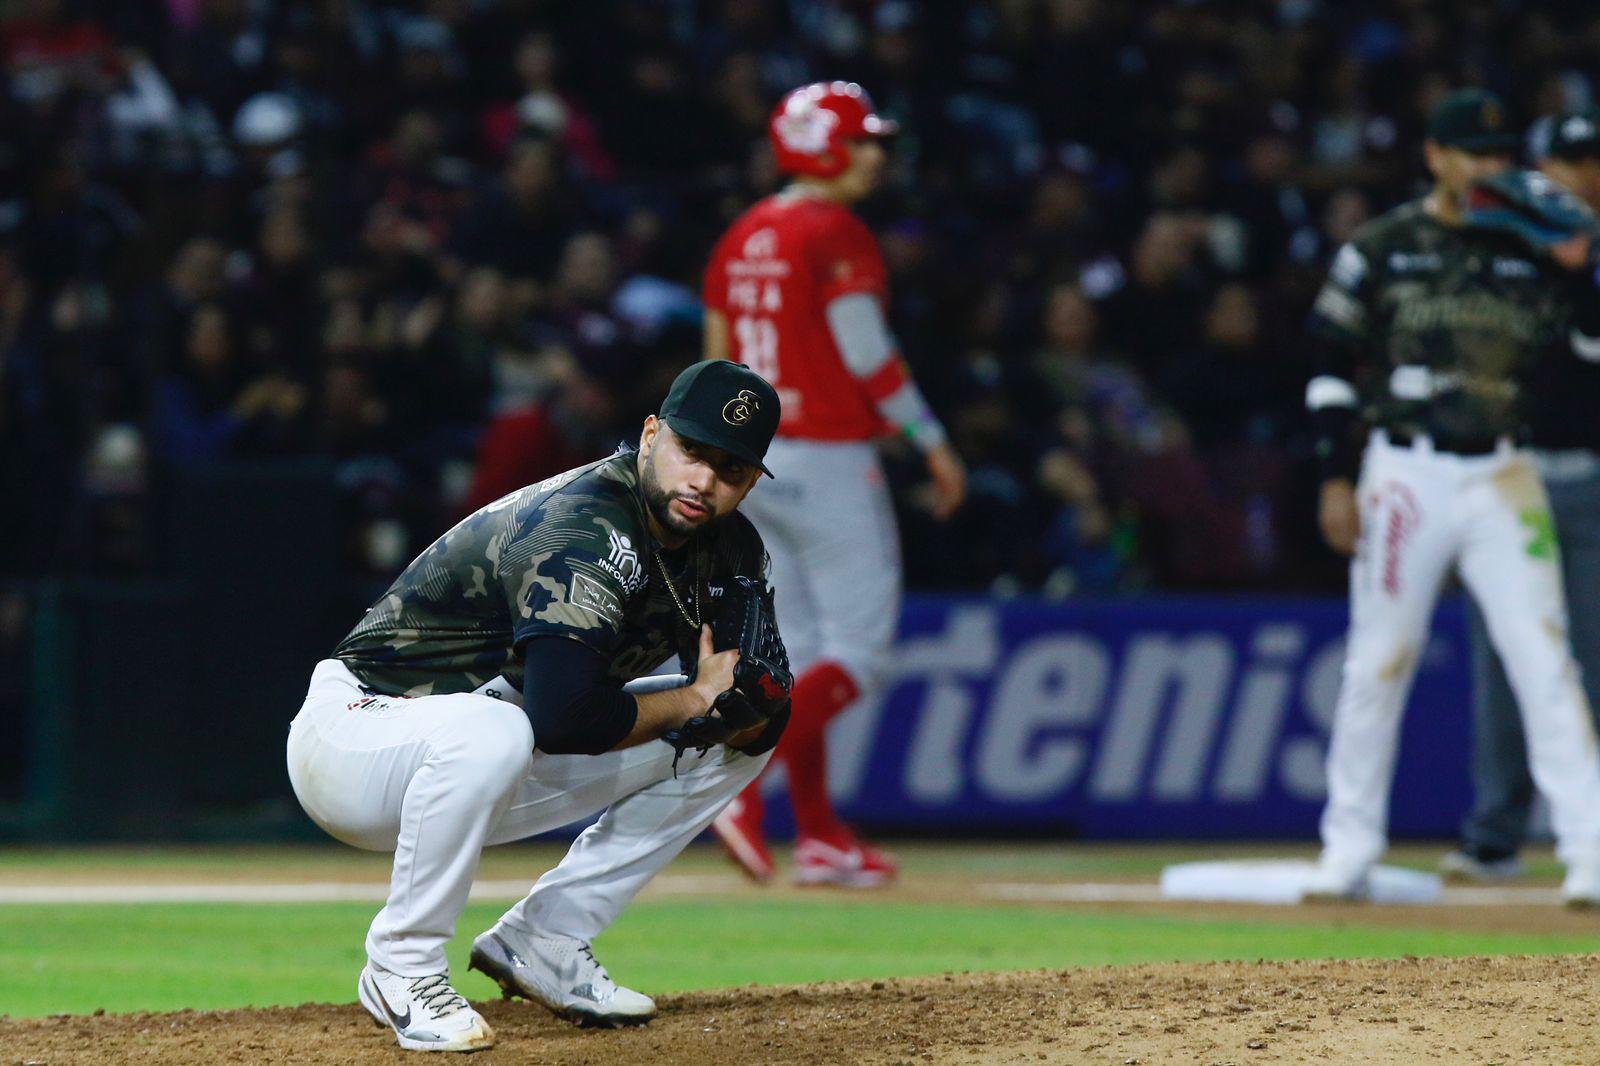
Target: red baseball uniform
[[827, 519], [772, 277], [800, 287]]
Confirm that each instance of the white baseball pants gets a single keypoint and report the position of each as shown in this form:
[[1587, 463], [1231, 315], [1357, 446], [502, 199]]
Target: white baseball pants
[[828, 523], [1422, 513], [436, 778]]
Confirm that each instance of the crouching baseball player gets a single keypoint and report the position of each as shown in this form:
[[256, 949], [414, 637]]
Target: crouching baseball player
[[481, 700]]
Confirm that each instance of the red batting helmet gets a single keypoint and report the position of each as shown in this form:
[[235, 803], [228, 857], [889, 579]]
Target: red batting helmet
[[812, 126]]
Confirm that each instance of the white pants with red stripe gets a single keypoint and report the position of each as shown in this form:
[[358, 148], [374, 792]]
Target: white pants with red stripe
[[1424, 513], [828, 523], [436, 778]]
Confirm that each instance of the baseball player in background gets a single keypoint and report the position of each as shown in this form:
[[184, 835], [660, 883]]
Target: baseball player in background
[[1437, 319], [481, 701], [1564, 431], [796, 291]]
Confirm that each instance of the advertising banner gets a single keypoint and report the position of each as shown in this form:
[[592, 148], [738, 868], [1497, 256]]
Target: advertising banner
[[1134, 719]]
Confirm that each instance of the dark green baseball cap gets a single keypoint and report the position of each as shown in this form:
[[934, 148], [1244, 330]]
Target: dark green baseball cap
[[1474, 120], [725, 405]]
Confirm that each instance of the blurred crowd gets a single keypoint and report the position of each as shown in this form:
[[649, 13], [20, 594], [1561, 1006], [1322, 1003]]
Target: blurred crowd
[[452, 246]]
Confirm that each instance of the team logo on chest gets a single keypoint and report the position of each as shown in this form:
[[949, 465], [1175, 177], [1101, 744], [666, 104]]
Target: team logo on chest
[[762, 244], [758, 257]]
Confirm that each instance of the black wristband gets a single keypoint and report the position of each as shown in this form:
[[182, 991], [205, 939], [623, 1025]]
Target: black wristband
[[1337, 454]]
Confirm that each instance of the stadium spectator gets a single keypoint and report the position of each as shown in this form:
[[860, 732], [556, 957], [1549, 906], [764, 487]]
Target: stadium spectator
[[209, 407], [416, 237]]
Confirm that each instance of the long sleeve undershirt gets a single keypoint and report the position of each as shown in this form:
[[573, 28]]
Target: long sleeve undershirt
[[868, 349], [572, 704]]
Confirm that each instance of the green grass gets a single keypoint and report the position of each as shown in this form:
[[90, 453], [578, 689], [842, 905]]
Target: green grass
[[75, 959], [79, 958]]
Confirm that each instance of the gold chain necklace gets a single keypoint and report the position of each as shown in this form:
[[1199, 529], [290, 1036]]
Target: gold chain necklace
[[673, 589]]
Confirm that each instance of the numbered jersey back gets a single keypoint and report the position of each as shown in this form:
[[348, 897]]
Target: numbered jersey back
[[772, 276]]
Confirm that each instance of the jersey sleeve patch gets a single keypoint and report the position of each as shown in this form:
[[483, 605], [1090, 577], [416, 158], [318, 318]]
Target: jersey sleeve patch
[[561, 594], [587, 594], [846, 277]]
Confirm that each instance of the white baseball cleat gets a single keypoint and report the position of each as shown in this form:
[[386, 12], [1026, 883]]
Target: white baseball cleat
[[425, 1013], [560, 973], [1338, 883], [1580, 889], [1462, 865]]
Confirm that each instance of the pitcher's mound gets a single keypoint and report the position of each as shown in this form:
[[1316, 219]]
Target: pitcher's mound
[[1380, 1011]]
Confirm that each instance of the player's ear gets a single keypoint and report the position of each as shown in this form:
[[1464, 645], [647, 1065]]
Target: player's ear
[[647, 436]]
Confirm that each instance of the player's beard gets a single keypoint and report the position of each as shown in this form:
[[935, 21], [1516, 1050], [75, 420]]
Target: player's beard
[[659, 500]]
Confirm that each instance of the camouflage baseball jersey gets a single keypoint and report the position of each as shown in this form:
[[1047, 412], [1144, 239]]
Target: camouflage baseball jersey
[[572, 557], [1439, 324]]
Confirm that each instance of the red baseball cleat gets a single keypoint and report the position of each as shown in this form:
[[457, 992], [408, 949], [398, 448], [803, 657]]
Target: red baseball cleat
[[739, 829], [842, 860]]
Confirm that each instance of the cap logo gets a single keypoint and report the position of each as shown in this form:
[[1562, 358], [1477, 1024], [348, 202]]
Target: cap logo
[[740, 409], [804, 127], [1490, 115]]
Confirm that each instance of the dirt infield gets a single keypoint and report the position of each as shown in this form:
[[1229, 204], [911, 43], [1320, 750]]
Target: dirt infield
[[1500, 1010]]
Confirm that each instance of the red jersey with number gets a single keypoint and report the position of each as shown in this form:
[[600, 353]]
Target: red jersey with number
[[772, 276]]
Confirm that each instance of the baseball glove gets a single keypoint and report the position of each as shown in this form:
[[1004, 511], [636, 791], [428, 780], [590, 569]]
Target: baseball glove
[[1530, 207], [761, 679]]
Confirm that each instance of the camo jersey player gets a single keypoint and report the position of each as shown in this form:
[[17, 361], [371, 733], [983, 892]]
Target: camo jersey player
[[1439, 320]]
